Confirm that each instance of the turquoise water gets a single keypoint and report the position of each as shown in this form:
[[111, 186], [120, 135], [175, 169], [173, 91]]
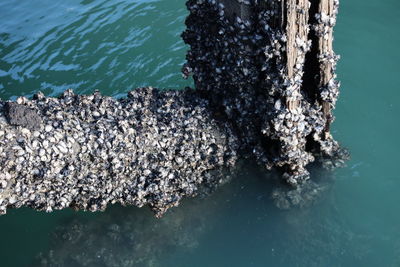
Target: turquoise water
[[115, 46]]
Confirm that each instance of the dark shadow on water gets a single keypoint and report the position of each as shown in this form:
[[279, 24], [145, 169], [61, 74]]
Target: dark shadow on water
[[238, 225]]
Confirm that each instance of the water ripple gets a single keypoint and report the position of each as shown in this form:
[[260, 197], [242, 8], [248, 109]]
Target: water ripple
[[113, 46]]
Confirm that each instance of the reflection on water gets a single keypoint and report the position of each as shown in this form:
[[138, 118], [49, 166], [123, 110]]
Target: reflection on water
[[127, 237], [309, 234]]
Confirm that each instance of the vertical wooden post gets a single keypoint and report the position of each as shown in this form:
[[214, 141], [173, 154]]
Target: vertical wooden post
[[326, 20], [279, 95], [297, 46]]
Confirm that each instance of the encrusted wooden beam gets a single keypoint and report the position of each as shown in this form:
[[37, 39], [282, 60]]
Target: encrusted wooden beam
[[85, 152]]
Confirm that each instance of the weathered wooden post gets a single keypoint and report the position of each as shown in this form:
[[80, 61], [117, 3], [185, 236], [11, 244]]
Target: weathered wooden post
[[269, 66]]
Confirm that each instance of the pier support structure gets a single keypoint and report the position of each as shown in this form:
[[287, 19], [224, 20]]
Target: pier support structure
[[269, 67], [264, 72]]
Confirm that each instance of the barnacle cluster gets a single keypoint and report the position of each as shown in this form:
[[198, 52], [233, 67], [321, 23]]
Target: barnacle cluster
[[269, 67], [264, 72], [153, 147]]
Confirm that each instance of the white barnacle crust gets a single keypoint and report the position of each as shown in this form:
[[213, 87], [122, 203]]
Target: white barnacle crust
[[152, 148]]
